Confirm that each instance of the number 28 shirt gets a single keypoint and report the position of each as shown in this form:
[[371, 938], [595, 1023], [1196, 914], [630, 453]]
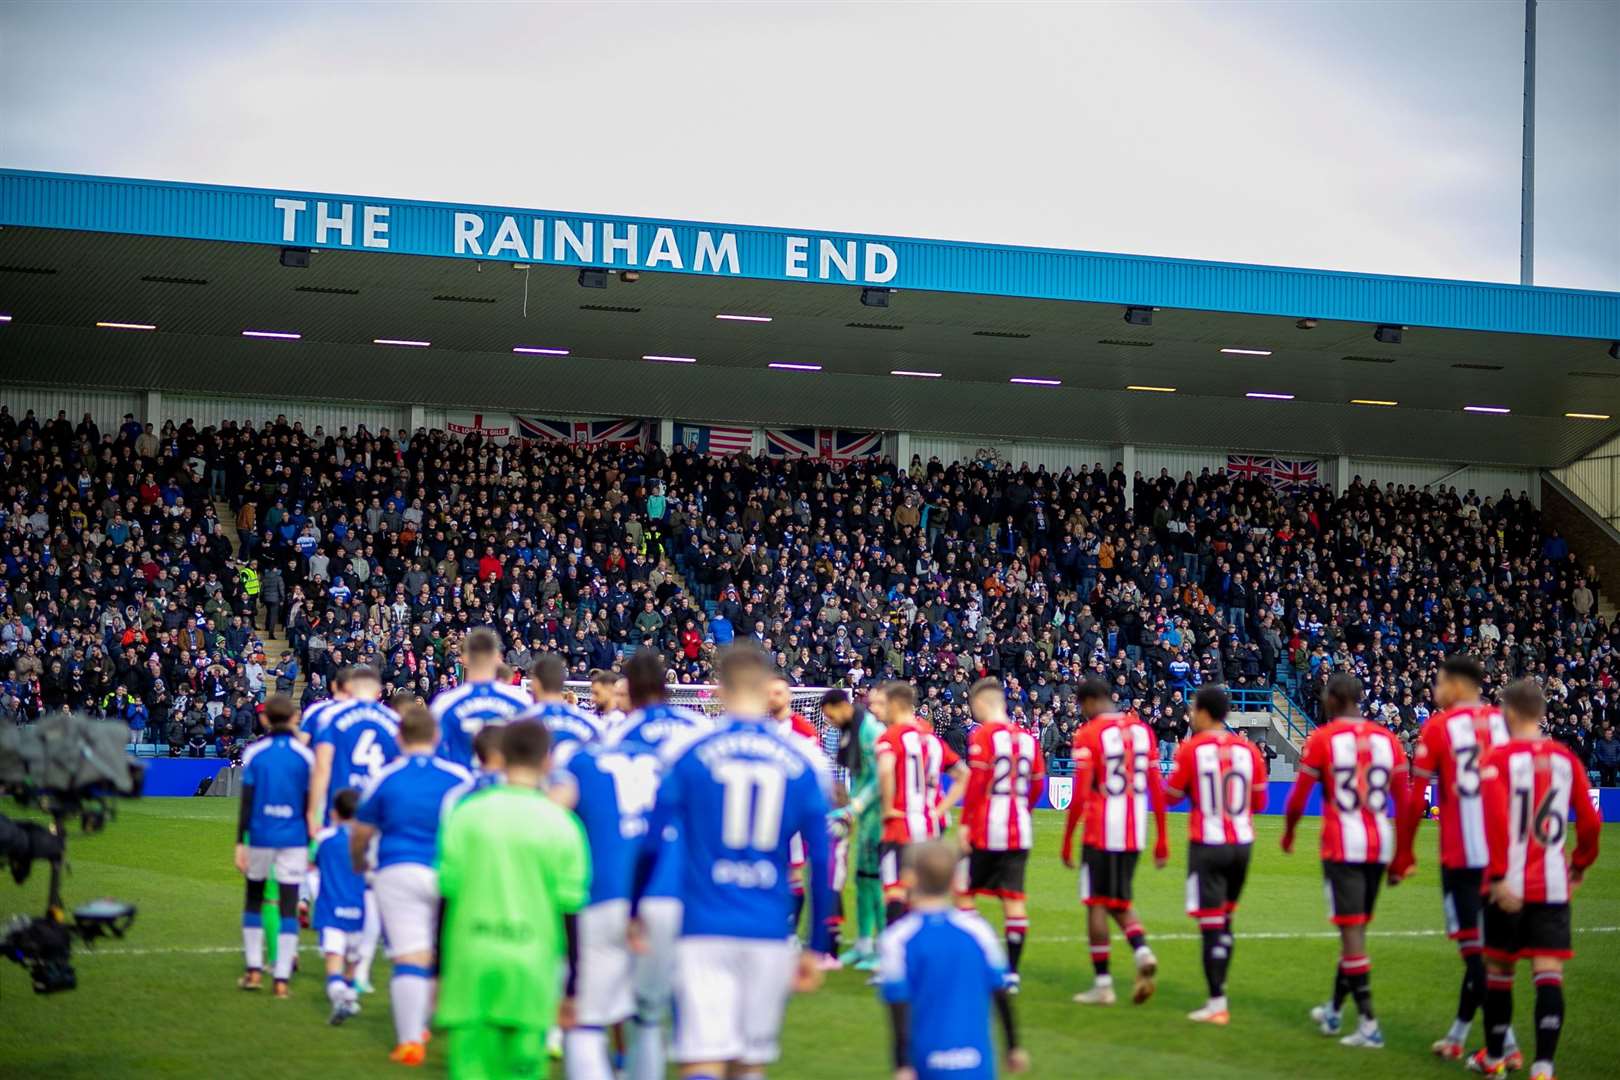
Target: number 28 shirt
[[1362, 770]]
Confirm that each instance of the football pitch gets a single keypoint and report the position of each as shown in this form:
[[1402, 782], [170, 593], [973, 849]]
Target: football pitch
[[163, 1001]]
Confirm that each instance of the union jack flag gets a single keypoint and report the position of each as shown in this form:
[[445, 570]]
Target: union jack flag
[[585, 432], [827, 444], [1246, 467], [1292, 475]]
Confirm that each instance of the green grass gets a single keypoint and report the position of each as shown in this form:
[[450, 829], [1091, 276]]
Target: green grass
[[163, 1002]]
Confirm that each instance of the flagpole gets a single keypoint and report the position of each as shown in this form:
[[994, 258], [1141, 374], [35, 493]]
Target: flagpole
[[1527, 176]]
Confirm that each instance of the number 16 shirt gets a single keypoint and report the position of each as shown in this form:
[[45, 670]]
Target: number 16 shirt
[[1362, 770]]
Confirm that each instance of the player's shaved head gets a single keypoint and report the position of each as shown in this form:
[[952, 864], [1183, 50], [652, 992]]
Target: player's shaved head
[[549, 673], [417, 726], [1459, 680], [364, 683], [279, 712], [743, 666], [481, 647], [344, 803], [988, 701], [1094, 697], [931, 866], [901, 696], [525, 744], [487, 747], [1342, 694], [1523, 706], [645, 673], [1210, 707]]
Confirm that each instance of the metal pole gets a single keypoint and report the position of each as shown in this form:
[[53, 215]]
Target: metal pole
[[1527, 182]]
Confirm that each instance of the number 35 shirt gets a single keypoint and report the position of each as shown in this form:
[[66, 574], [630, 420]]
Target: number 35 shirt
[[1362, 770]]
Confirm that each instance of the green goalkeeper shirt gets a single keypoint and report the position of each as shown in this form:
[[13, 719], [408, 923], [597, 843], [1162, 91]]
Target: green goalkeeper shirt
[[512, 863], [863, 786]]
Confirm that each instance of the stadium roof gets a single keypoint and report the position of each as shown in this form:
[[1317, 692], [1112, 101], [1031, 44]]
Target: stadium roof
[[203, 265]]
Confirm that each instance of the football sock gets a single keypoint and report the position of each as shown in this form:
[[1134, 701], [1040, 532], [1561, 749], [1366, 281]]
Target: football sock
[[1135, 935], [647, 1050], [798, 913], [1217, 955], [408, 993], [1341, 988], [252, 940], [1549, 1013], [835, 925], [868, 906], [894, 911], [338, 989], [1017, 930], [1472, 993], [286, 947], [1099, 964], [1358, 976], [1498, 1013], [585, 1054]]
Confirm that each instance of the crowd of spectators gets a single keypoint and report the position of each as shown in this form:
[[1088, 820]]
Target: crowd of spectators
[[123, 594]]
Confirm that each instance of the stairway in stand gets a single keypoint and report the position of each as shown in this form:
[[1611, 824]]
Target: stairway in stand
[[273, 643]]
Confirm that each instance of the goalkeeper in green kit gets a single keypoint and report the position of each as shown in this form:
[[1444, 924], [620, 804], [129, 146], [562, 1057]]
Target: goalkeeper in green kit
[[858, 732], [513, 871]]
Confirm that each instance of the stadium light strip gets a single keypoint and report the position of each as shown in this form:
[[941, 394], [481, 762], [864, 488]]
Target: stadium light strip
[[670, 359], [535, 350], [274, 335], [1247, 352], [5, 318], [403, 342], [903, 373], [126, 326], [1269, 397], [1154, 389], [1494, 410], [782, 366], [1587, 415], [1022, 380], [1371, 401], [728, 317]]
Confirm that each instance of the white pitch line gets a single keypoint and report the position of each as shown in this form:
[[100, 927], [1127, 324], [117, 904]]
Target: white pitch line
[[1259, 935]]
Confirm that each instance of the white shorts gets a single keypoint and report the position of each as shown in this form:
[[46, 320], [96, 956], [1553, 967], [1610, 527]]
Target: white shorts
[[839, 847], [730, 994], [408, 900], [344, 943], [604, 992], [289, 863], [655, 968]]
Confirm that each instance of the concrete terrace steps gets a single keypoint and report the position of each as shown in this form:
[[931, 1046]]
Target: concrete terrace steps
[[273, 643]]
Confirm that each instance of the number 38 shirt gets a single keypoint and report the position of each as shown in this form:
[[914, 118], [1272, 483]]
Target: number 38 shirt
[[1362, 770], [1224, 778], [1117, 782], [1533, 789]]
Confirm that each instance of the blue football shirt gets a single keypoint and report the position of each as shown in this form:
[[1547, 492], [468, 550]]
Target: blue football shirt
[[364, 736], [341, 902], [403, 803], [946, 965], [278, 768], [462, 711]]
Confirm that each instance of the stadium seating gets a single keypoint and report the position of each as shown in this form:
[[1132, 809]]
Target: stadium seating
[[161, 576]]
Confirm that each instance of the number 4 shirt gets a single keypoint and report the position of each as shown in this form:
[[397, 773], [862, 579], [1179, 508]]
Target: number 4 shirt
[[1362, 770]]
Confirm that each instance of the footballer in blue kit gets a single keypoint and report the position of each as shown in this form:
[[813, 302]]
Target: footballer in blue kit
[[316, 716], [462, 711], [340, 915], [939, 970], [655, 731], [272, 837], [361, 736], [735, 795], [401, 807], [571, 727]]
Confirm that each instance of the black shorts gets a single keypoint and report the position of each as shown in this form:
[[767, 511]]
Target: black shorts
[[1534, 930], [997, 873], [1106, 876], [1352, 891], [1460, 893], [890, 858], [1215, 877]]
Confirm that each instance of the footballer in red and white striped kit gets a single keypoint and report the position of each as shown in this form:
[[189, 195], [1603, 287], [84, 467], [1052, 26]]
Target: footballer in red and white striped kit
[[1116, 784], [1223, 776], [1535, 793], [1363, 773], [1006, 773], [1449, 754], [911, 760]]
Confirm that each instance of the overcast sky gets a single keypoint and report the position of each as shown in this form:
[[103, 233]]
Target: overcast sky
[[1368, 136]]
